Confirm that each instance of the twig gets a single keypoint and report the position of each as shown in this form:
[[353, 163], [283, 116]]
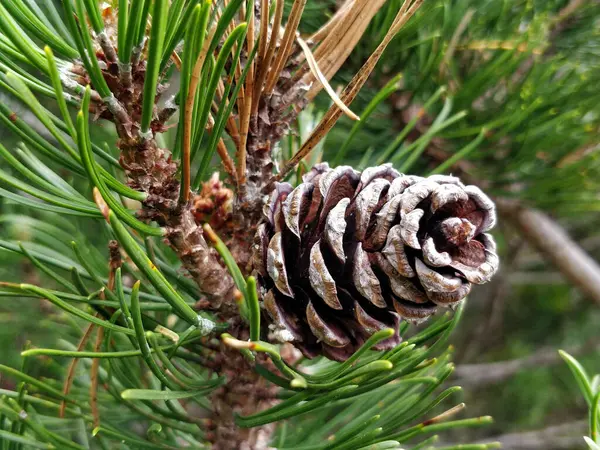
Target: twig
[[558, 437], [479, 375], [554, 243]]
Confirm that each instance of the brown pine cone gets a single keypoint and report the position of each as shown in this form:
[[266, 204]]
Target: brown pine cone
[[346, 254]]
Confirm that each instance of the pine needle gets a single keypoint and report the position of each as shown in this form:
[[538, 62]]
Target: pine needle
[[72, 367], [286, 45], [343, 38], [94, 379], [187, 119], [265, 63], [314, 68], [322, 32], [247, 104], [407, 10]]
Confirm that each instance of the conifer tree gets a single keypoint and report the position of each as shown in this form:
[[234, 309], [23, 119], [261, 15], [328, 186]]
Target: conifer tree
[[225, 287]]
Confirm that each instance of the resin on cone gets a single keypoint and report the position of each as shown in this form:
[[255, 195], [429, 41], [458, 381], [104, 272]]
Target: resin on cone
[[345, 254]]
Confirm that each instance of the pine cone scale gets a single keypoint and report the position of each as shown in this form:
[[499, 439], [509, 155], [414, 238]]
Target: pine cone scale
[[325, 330], [320, 278], [346, 254], [365, 280], [395, 252], [276, 267], [365, 203], [335, 228]]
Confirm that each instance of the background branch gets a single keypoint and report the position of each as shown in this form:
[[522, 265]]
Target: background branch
[[479, 375], [559, 437], [550, 239]]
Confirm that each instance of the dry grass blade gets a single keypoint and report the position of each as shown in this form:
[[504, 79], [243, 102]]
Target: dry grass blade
[[407, 10], [314, 68], [286, 44]]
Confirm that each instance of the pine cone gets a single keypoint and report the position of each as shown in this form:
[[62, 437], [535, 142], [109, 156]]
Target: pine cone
[[346, 254]]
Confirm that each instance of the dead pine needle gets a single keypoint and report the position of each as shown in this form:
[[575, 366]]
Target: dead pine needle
[[330, 118], [314, 68], [72, 367], [187, 120], [265, 63], [94, 379], [286, 44], [246, 109]]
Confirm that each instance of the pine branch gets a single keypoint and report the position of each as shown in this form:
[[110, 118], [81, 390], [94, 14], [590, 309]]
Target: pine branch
[[480, 375]]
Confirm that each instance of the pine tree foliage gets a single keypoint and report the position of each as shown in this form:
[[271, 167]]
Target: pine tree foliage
[[461, 86]]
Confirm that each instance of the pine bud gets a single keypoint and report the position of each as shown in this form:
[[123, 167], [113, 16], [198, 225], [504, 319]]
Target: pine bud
[[346, 254]]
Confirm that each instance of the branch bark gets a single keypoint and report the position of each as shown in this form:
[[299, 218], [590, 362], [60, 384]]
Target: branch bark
[[479, 375], [559, 437], [550, 239]]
